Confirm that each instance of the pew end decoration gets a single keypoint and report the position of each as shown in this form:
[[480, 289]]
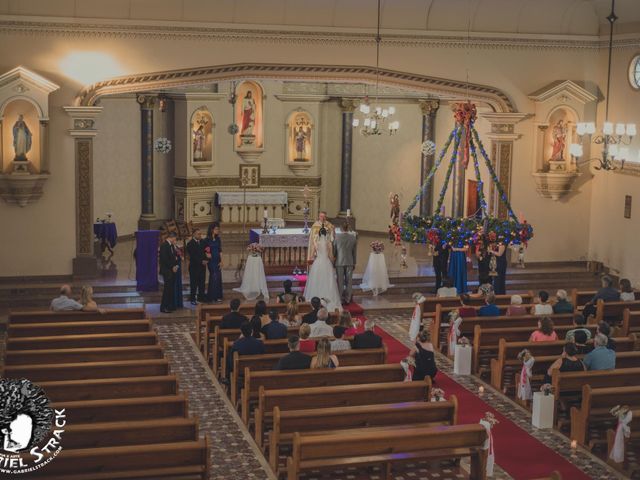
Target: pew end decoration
[[437, 395], [524, 380], [439, 229], [623, 431], [488, 422]]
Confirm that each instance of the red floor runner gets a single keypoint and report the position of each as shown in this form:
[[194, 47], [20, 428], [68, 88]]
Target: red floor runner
[[518, 453]]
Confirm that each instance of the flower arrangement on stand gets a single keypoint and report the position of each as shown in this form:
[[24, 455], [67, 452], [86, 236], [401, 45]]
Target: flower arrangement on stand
[[254, 249], [377, 247]]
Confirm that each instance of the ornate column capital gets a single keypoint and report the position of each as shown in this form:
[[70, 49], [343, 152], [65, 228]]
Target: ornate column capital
[[146, 102], [83, 121], [430, 106], [503, 125], [348, 105]]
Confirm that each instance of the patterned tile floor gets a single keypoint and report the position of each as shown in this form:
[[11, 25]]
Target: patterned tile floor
[[398, 326]]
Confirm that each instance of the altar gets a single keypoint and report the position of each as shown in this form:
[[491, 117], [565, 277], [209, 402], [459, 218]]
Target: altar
[[283, 250]]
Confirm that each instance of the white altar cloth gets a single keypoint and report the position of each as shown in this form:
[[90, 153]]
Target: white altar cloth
[[252, 198], [284, 237]]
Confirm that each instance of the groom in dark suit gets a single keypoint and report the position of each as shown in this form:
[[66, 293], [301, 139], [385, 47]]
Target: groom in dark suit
[[168, 269], [345, 253]]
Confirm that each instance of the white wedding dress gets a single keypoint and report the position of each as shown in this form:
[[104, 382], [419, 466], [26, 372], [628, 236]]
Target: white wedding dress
[[321, 281]]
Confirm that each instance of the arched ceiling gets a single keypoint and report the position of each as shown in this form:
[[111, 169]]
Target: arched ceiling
[[556, 17]]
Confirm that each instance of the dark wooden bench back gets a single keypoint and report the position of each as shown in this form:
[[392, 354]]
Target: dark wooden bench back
[[73, 355], [78, 328], [38, 342], [47, 316]]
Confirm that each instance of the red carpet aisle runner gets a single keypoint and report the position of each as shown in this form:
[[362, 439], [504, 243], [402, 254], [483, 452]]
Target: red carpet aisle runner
[[518, 453]]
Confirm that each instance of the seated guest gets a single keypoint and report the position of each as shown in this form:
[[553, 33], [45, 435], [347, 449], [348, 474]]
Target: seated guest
[[367, 339], [87, 301], [339, 343], [600, 358], [562, 305], [485, 287], [447, 290], [294, 360], [465, 310], [542, 306], [568, 362], [234, 318], [516, 307], [545, 331], [424, 356], [312, 316], [324, 358], [306, 344], [490, 309], [292, 318], [579, 323], [320, 328], [605, 329], [287, 296], [626, 291], [64, 302], [347, 323], [260, 313], [607, 294], [274, 330], [247, 344], [580, 341]]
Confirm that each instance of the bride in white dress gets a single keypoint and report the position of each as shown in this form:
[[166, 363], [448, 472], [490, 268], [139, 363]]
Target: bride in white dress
[[321, 281]]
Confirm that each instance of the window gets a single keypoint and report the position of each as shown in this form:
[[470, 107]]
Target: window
[[634, 72]]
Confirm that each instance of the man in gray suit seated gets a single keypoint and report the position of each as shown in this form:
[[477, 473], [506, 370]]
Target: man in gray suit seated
[[344, 251]]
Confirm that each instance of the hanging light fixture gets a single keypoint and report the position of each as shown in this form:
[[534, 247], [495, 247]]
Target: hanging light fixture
[[377, 119], [612, 137]]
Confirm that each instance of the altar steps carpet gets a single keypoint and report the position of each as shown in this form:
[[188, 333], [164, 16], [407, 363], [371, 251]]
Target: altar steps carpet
[[518, 453]]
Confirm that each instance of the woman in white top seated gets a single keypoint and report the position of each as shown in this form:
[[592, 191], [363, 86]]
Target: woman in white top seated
[[447, 290], [542, 306], [626, 291]]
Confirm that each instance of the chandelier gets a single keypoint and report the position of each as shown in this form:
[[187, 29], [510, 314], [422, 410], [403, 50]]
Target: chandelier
[[376, 120], [613, 138]]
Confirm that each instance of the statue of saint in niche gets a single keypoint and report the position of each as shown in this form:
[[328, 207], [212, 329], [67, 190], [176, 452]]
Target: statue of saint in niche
[[302, 139], [559, 137], [248, 115], [201, 127], [199, 137], [21, 139]]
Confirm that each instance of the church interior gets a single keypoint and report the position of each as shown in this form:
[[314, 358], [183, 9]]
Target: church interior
[[341, 239]]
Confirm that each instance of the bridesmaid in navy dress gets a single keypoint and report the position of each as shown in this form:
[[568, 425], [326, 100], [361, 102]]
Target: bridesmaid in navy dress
[[213, 251], [458, 268], [500, 282], [179, 303]]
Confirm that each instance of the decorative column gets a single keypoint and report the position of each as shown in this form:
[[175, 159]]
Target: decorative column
[[502, 137], [44, 145], [429, 110], [83, 130], [348, 105], [147, 216], [458, 186]]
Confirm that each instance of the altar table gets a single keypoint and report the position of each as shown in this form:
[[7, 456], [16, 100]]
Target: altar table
[[283, 250]]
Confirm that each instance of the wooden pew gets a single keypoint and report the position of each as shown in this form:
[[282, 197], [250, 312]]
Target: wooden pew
[[335, 420], [347, 358], [630, 444], [78, 328], [613, 312], [579, 298], [121, 409], [595, 405], [270, 380], [82, 341], [430, 305], [270, 346], [108, 388], [88, 370], [136, 432], [338, 396], [218, 310], [467, 328], [630, 322], [72, 355], [47, 316], [486, 340], [545, 353], [372, 447], [564, 382], [160, 460]]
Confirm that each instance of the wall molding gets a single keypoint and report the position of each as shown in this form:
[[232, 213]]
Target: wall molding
[[201, 182]]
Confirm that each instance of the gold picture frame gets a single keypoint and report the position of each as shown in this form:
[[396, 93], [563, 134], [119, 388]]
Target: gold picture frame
[[249, 176]]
